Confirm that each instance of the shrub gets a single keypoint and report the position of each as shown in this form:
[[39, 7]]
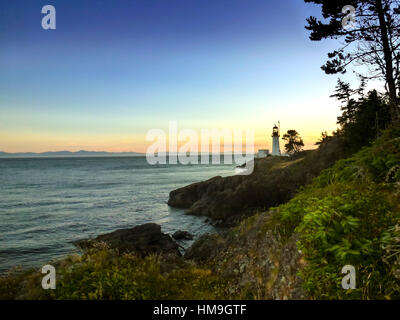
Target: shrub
[[347, 229], [104, 274]]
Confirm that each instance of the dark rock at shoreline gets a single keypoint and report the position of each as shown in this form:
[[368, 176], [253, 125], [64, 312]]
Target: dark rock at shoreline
[[144, 239], [184, 197], [182, 235], [206, 198]]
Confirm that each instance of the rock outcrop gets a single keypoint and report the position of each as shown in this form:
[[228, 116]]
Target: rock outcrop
[[275, 180], [182, 235], [253, 258], [205, 248], [144, 239], [230, 199]]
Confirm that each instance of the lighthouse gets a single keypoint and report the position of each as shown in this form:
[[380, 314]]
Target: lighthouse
[[275, 141]]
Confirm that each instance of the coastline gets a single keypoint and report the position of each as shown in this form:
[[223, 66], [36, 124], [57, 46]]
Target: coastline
[[272, 253], [206, 199]]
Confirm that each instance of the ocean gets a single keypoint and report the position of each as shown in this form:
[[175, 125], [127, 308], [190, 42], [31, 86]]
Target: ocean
[[48, 203]]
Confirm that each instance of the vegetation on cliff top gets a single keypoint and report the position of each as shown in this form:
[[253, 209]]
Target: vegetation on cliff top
[[350, 216]]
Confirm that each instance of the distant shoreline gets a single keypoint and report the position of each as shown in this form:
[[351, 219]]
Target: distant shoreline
[[71, 157], [69, 154], [89, 154]]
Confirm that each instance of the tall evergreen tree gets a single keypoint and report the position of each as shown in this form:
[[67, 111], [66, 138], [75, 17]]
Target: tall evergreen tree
[[362, 118], [373, 42]]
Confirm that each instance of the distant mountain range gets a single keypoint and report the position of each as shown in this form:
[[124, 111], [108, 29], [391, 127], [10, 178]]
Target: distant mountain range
[[81, 153]]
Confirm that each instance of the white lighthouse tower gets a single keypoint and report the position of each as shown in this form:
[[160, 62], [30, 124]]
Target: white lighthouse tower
[[275, 141]]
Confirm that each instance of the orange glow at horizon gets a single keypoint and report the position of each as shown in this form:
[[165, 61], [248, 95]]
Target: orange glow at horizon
[[41, 142]]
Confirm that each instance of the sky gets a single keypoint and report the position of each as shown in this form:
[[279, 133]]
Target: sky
[[113, 70]]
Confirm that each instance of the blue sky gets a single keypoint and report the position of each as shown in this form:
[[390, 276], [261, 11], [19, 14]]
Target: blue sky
[[112, 70]]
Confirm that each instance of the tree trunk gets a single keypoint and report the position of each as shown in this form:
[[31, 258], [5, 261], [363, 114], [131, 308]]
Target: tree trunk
[[394, 108]]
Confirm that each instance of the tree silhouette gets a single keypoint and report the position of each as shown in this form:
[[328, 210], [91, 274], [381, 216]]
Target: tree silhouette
[[294, 142], [324, 138], [374, 41], [363, 118]]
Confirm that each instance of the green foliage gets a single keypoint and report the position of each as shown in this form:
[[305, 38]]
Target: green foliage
[[10, 283], [346, 217], [103, 274], [371, 163], [106, 275], [347, 229]]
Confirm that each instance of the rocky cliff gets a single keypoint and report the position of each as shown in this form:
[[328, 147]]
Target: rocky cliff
[[274, 181]]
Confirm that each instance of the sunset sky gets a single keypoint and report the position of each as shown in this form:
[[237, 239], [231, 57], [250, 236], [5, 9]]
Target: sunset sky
[[113, 70]]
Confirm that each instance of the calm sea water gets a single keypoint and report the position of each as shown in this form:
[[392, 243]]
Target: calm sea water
[[47, 203]]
